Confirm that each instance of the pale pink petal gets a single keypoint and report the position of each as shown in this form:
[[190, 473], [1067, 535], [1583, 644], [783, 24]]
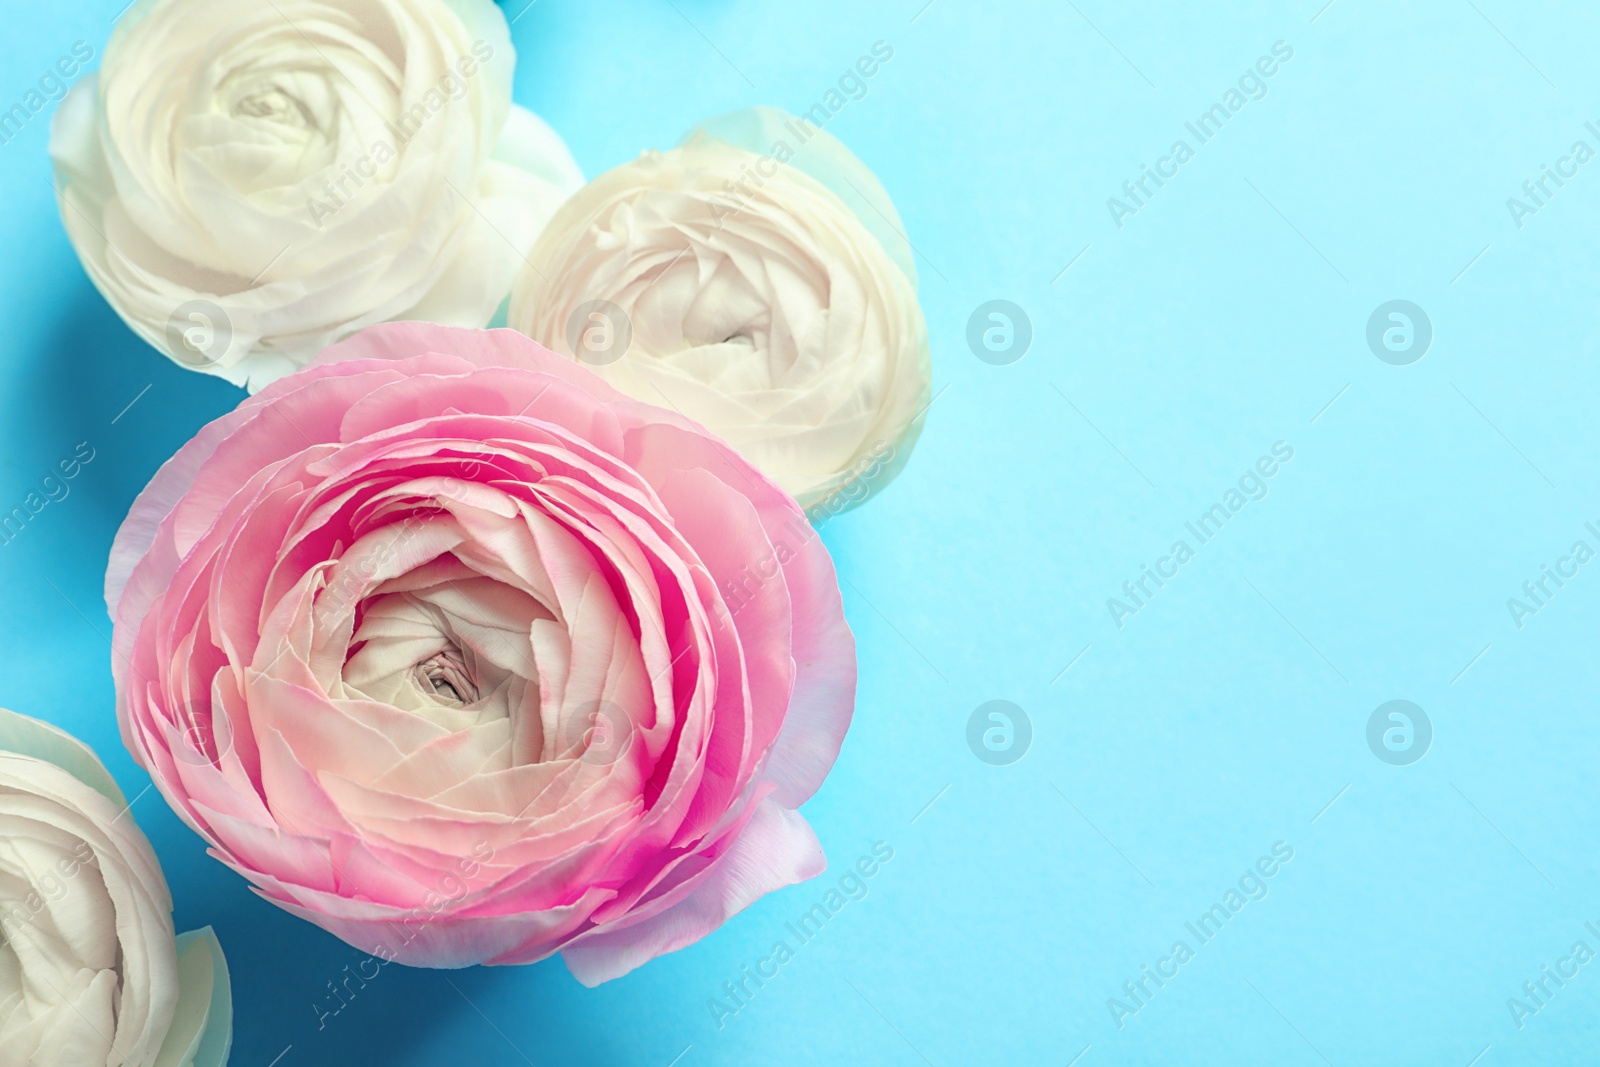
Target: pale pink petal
[[776, 849]]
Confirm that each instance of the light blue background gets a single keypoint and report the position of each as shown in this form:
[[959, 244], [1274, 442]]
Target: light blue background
[[1224, 716]]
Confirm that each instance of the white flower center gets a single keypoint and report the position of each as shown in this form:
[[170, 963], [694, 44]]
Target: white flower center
[[272, 102]]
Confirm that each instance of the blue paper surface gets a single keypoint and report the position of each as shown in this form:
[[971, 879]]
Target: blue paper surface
[[1178, 735]]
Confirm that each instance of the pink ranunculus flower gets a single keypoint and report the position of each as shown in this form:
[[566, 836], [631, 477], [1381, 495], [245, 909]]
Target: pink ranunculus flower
[[456, 651]]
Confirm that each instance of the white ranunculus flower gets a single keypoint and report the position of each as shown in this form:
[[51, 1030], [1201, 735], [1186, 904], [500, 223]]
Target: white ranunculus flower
[[90, 973], [248, 183], [756, 279]]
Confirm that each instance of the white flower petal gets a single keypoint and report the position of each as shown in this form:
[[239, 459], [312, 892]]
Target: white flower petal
[[756, 279], [248, 184], [89, 970]]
